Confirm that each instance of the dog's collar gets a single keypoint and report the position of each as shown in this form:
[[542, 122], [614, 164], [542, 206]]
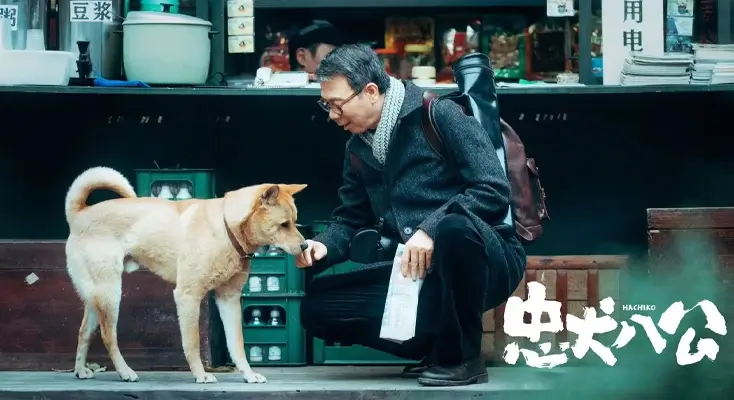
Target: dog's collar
[[237, 246]]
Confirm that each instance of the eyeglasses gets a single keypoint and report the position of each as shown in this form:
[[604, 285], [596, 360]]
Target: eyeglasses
[[337, 108]]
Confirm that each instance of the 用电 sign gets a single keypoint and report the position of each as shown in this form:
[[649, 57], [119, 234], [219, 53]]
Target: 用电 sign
[[630, 26]]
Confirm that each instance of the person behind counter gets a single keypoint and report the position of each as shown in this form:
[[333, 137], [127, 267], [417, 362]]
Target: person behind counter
[[308, 46], [450, 218]]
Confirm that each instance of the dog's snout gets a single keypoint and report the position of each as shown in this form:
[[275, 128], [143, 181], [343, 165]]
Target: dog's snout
[[304, 246]]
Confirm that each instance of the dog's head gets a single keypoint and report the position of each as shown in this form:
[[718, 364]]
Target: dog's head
[[265, 215]]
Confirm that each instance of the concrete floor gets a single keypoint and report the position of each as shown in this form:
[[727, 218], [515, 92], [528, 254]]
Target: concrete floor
[[321, 383]]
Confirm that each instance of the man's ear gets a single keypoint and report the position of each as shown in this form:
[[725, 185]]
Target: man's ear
[[372, 91], [301, 56], [293, 189], [270, 195]]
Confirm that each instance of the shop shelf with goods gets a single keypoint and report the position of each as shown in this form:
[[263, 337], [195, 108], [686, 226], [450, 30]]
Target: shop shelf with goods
[[272, 331], [346, 353], [175, 184]]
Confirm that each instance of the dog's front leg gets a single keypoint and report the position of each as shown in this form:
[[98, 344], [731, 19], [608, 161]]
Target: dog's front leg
[[228, 302], [188, 303]]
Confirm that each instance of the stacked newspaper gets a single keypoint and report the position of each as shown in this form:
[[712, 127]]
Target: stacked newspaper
[[668, 69], [714, 63]]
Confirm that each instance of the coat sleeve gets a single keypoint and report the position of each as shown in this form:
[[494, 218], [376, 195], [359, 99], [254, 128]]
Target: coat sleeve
[[486, 186], [352, 214]]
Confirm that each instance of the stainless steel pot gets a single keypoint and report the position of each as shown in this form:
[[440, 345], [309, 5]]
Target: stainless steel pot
[[105, 47]]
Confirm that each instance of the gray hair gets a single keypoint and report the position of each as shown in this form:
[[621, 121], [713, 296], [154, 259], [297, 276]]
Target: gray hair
[[358, 64]]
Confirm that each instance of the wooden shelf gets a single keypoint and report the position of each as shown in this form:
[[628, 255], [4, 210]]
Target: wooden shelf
[[231, 91]]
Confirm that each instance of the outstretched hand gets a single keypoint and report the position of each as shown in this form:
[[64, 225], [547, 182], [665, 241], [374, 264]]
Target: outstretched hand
[[314, 252]]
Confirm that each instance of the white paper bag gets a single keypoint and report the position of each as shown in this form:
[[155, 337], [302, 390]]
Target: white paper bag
[[401, 305]]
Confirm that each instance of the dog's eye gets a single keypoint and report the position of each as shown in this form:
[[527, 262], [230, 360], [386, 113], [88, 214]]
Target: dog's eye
[[285, 224]]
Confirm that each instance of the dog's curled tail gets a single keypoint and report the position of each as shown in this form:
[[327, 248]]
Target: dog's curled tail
[[91, 180]]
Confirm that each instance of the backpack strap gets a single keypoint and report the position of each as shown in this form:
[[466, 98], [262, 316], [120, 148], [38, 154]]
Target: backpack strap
[[356, 162], [429, 125]]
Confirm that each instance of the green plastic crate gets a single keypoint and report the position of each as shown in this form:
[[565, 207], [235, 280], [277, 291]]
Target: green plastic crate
[[290, 279], [288, 336], [200, 182], [336, 354], [291, 282]]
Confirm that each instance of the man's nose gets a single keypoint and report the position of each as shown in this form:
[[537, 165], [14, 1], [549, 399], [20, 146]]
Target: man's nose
[[304, 246], [333, 115]]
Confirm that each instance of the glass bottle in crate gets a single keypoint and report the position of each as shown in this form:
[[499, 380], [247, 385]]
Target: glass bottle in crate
[[273, 251], [256, 318], [183, 191], [256, 354], [255, 284], [274, 317], [165, 192], [274, 353], [272, 284]]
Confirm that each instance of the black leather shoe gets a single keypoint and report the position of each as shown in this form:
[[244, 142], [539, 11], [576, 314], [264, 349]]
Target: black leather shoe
[[414, 371], [466, 373]]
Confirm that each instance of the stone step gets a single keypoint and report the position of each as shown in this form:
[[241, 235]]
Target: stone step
[[327, 383]]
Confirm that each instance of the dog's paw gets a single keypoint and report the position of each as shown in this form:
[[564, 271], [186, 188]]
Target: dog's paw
[[84, 373], [206, 378], [253, 377], [128, 375]]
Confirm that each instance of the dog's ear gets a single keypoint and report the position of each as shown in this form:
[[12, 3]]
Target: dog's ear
[[293, 189], [270, 195]]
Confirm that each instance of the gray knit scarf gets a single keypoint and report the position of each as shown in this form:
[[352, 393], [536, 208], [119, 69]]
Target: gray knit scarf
[[380, 138]]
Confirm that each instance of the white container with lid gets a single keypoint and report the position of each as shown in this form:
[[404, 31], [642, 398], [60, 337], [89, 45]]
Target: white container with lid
[[165, 48]]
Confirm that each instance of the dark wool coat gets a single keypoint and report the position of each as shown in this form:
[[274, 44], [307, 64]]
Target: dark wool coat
[[418, 187]]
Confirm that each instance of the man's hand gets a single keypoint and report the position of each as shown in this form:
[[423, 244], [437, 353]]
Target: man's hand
[[417, 255], [314, 252]]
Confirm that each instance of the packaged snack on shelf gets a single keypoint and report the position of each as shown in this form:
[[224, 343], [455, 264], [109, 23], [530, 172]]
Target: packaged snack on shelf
[[390, 60], [504, 41], [459, 36], [412, 39], [550, 50], [275, 56]]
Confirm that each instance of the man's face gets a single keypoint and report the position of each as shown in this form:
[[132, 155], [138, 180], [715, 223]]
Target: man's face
[[353, 111], [311, 60]]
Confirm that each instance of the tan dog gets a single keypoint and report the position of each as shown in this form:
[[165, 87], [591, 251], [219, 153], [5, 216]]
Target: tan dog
[[199, 245]]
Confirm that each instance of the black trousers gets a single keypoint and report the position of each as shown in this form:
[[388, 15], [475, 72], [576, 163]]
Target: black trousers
[[348, 308]]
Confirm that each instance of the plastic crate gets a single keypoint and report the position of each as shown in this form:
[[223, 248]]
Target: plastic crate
[[274, 276], [290, 282], [337, 354], [199, 182], [287, 336]]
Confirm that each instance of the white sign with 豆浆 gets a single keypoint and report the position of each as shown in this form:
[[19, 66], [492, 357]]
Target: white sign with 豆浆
[[630, 26], [91, 11]]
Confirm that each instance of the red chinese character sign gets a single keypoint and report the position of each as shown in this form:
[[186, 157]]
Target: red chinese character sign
[[596, 322]]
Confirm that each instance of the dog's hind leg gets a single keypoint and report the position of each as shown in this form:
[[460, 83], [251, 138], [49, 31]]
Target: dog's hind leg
[[230, 310], [188, 305], [106, 299], [90, 323]]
